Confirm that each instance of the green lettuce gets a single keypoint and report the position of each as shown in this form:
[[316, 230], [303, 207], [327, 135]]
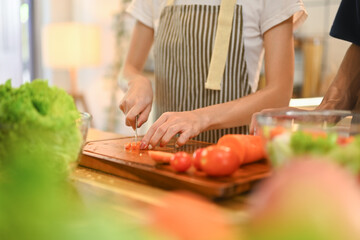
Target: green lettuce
[[38, 139], [36, 119], [303, 142]]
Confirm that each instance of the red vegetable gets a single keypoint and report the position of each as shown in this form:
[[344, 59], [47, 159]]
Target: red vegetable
[[135, 145], [127, 145], [197, 159], [219, 161], [181, 161], [132, 145], [160, 157], [344, 140], [276, 131], [248, 148]]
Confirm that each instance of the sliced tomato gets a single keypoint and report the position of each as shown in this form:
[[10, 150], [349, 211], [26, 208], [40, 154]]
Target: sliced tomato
[[160, 157], [276, 131], [135, 145], [181, 161], [197, 158], [127, 145]]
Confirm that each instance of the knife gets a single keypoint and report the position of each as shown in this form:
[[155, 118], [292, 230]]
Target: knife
[[136, 126]]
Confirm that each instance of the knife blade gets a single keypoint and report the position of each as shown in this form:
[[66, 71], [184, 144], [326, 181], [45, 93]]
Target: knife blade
[[136, 126]]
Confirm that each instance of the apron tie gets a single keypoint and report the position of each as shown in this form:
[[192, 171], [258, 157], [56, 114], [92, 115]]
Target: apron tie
[[221, 45]]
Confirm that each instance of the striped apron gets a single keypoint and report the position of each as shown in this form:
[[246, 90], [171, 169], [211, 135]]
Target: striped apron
[[184, 45]]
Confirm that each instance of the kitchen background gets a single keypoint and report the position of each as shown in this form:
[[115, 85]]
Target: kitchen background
[[99, 86]]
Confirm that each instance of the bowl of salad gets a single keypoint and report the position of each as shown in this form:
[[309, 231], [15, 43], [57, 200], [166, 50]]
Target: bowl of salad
[[329, 134]]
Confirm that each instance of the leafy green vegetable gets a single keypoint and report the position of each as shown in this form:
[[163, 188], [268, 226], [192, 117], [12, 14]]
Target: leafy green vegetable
[[38, 119], [303, 142], [348, 155], [287, 145], [279, 149], [38, 140]]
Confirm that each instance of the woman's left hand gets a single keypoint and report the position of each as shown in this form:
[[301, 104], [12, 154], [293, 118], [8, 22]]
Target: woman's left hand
[[188, 124]]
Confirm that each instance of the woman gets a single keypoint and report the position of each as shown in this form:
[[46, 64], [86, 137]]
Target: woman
[[207, 63]]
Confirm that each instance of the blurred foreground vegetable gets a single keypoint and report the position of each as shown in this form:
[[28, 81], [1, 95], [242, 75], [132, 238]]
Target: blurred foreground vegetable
[[336, 148], [36, 119], [38, 139], [311, 199]]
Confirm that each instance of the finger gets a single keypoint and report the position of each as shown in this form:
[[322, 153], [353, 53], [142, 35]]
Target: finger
[[123, 105], [183, 138], [122, 108], [157, 136], [133, 112], [149, 134], [172, 130], [144, 116], [130, 120]]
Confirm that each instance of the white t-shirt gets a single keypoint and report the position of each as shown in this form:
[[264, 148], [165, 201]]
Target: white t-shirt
[[258, 17]]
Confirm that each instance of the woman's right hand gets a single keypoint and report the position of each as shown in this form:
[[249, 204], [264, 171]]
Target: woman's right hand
[[137, 101]]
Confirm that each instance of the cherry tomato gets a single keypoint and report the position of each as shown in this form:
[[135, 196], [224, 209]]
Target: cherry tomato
[[181, 161], [197, 158], [219, 161]]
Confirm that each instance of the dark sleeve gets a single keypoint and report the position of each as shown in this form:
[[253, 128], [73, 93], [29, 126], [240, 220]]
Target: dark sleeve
[[346, 25]]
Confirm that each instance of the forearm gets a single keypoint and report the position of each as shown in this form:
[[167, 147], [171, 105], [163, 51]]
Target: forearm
[[239, 112], [345, 89], [140, 45], [133, 74], [279, 74]]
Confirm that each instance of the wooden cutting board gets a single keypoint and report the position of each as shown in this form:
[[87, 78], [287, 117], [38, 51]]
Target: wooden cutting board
[[111, 157]]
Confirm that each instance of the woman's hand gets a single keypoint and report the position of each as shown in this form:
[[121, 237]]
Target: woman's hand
[[188, 124], [137, 101]]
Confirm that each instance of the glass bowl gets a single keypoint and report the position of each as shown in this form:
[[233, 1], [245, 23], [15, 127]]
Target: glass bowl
[[331, 134], [83, 124]]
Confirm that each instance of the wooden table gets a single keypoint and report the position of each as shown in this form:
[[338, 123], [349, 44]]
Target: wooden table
[[134, 198]]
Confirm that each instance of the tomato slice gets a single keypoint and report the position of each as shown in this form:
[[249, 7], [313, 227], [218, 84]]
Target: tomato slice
[[277, 131], [127, 145]]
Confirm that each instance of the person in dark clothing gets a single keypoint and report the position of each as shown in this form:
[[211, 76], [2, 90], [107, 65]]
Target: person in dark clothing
[[344, 91]]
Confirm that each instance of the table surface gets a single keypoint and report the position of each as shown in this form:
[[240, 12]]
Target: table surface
[[132, 198]]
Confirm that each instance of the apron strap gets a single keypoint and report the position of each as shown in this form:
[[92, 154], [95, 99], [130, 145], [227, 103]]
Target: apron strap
[[170, 2], [221, 45]]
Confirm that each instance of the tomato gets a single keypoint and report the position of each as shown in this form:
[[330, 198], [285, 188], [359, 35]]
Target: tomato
[[135, 145], [276, 131], [344, 140], [160, 157], [197, 158], [181, 161], [127, 145], [219, 161]]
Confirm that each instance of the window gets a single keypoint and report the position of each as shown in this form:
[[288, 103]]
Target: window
[[15, 41]]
